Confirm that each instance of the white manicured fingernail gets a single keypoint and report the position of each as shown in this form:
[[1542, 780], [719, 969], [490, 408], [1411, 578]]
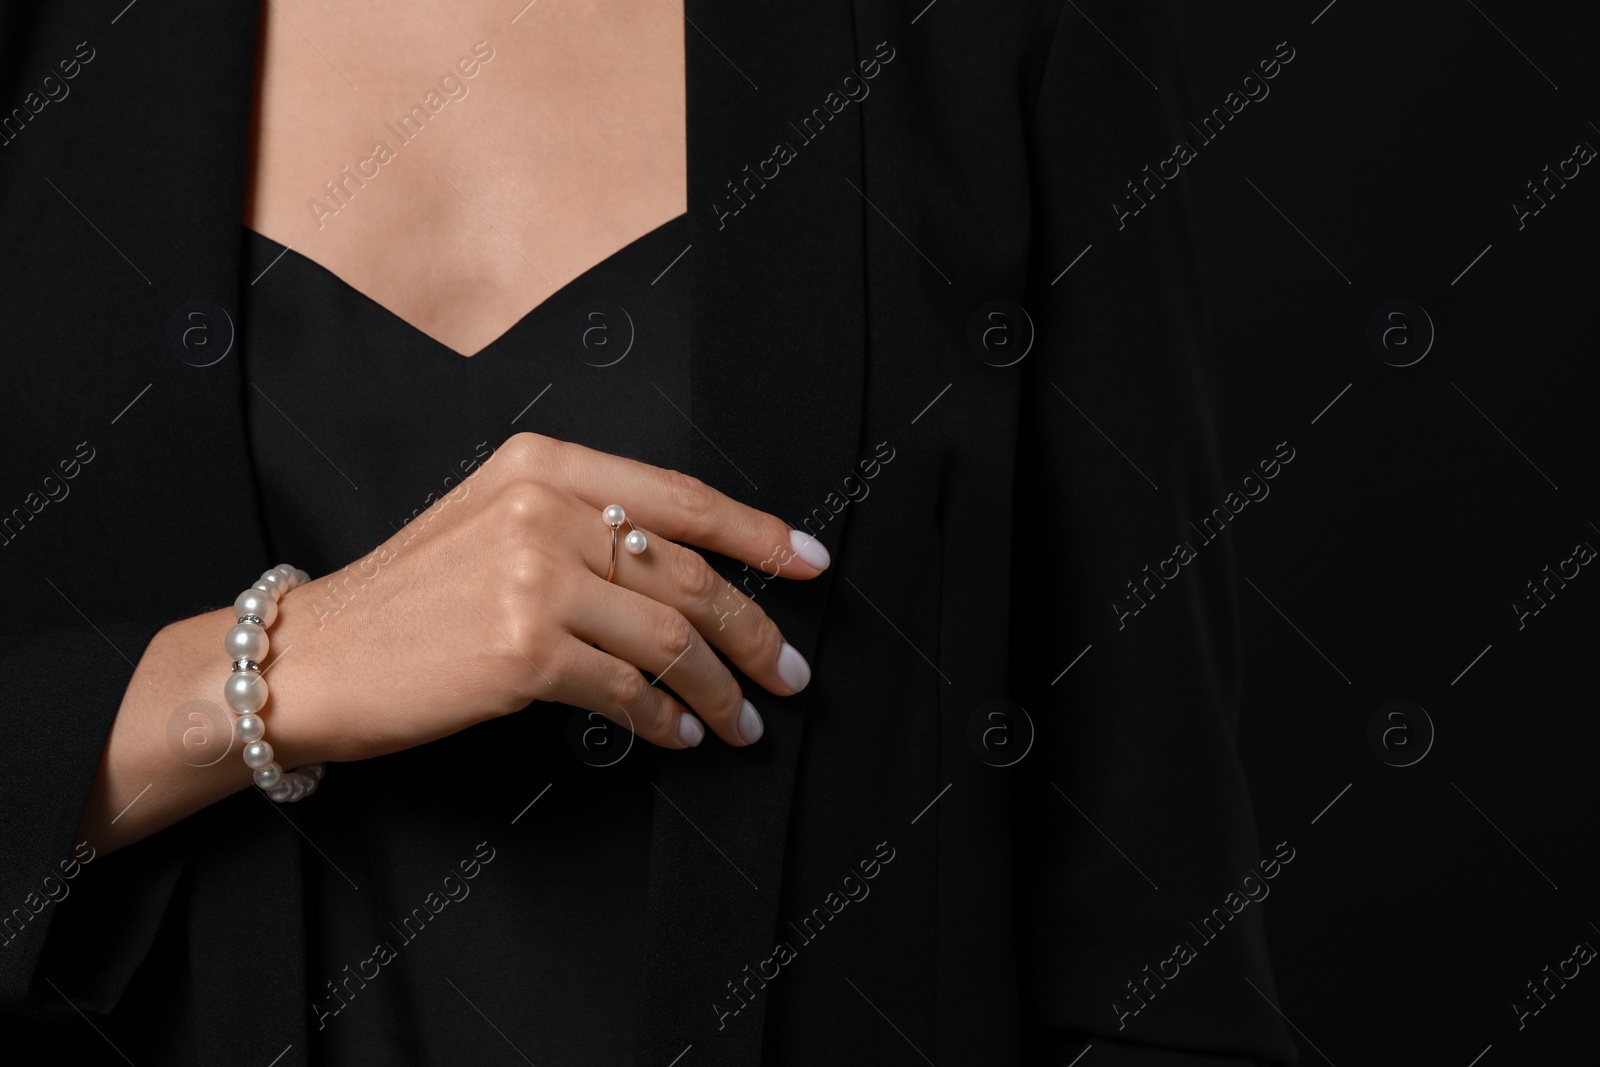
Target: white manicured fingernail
[[793, 668], [690, 732], [750, 725], [809, 549]]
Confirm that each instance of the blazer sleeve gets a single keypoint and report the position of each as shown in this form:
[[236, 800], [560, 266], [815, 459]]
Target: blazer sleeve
[[76, 923], [1136, 809]]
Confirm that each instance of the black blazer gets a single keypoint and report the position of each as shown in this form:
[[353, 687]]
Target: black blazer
[[863, 180]]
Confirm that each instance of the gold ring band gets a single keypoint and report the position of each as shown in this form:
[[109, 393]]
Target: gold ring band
[[636, 542]]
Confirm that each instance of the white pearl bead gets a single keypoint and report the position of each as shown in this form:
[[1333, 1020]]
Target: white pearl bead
[[254, 602], [245, 692], [613, 515], [246, 640], [635, 542]]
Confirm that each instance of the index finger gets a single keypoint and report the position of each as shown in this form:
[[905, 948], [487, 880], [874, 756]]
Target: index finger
[[677, 506]]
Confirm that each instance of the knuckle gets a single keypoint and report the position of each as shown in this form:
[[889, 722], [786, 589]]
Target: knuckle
[[693, 577], [527, 570], [523, 501], [692, 496], [677, 635], [628, 690], [528, 445]]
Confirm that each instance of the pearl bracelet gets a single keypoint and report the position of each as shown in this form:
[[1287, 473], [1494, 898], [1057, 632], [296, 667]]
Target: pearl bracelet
[[246, 691]]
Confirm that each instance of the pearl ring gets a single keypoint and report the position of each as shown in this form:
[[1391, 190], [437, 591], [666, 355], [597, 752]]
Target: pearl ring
[[636, 542]]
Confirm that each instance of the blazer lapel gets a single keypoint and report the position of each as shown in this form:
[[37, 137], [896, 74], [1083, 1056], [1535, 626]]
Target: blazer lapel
[[175, 203], [778, 354]]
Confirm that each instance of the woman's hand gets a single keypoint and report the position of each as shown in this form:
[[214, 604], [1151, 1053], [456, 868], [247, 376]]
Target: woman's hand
[[496, 597]]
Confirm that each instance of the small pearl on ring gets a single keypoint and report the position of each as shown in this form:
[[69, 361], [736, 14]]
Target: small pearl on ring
[[635, 542], [613, 515]]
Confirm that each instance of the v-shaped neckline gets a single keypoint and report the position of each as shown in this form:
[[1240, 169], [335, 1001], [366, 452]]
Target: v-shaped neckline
[[537, 312]]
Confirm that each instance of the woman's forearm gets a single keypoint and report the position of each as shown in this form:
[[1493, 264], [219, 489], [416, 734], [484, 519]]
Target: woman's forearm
[[171, 750]]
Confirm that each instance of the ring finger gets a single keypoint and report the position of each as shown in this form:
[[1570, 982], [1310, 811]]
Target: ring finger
[[681, 579], [634, 627], [602, 683]]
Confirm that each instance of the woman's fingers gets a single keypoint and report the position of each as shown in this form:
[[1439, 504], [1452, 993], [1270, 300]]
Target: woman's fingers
[[666, 607], [673, 504], [600, 682], [681, 579], [643, 631]]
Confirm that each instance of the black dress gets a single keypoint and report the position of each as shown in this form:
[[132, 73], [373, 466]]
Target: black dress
[[548, 933]]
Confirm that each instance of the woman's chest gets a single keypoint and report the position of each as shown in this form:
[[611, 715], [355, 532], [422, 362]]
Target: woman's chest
[[460, 163]]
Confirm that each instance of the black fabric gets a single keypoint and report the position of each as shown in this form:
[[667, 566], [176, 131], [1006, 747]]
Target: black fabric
[[981, 521], [344, 466]]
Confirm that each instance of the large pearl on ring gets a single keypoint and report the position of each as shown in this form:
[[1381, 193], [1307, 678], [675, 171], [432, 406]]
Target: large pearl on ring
[[635, 542], [613, 515]]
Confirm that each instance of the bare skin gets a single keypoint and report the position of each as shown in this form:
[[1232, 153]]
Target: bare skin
[[557, 140], [562, 147], [492, 599]]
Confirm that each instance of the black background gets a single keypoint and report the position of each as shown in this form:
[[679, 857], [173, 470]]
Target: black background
[[1396, 541]]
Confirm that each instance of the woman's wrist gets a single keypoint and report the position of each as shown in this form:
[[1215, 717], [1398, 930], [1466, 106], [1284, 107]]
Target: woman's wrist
[[246, 690], [301, 723]]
